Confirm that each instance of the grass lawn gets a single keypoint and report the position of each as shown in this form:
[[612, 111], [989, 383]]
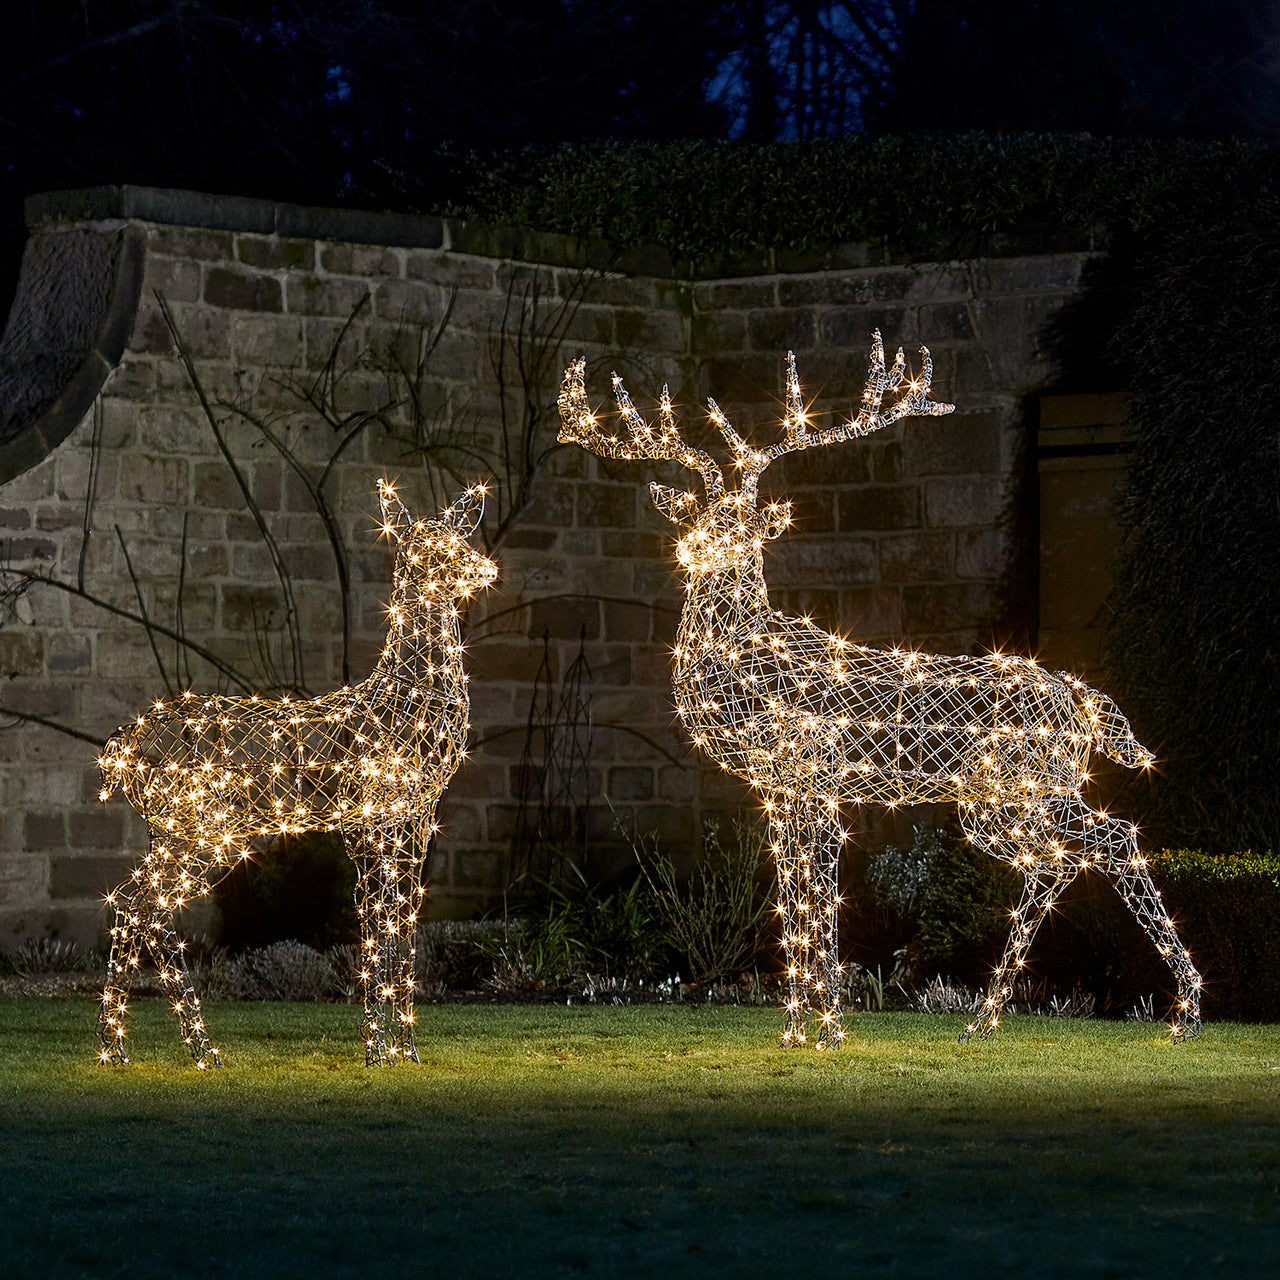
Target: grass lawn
[[657, 1141]]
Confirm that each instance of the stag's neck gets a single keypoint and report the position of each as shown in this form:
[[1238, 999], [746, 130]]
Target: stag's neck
[[721, 606], [424, 646]]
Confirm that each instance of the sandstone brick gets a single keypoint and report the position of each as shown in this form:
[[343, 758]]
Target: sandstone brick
[[735, 295], [324, 295], [779, 330], [606, 506], [804, 562], [853, 327], [195, 243], [565, 619], [249, 609], [809, 602], [630, 782], [242, 291], [590, 325], [68, 653], [271, 253], [15, 518], [87, 877], [917, 557], [271, 341], [22, 880], [96, 828], [43, 831], [837, 289], [719, 331], [665, 330], [957, 502], [951, 607], [502, 659], [175, 279], [982, 553], [626, 621], [206, 333], [880, 507], [869, 613], [957, 444], [449, 270], [21, 651], [479, 868]]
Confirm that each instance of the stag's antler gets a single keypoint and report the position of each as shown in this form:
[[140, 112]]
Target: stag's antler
[[870, 416], [579, 426]]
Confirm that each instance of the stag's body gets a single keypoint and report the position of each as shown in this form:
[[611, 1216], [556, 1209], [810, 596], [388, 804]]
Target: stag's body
[[212, 776], [814, 722]]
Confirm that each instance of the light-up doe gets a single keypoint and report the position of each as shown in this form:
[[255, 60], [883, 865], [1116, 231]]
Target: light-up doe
[[813, 721], [214, 775]]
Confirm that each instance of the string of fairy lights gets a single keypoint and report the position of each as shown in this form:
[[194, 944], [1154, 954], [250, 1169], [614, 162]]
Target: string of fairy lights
[[814, 722], [215, 776]]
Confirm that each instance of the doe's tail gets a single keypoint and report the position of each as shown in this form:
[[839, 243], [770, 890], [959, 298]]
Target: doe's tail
[[1106, 726]]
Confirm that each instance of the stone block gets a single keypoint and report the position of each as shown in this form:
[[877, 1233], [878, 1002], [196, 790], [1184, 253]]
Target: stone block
[[552, 504], [43, 831], [842, 464], [868, 613], [22, 880], [68, 653], [835, 289], [917, 557], [87, 877], [565, 619], [630, 782], [825, 562], [959, 443], [957, 503], [96, 828], [625, 621], [213, 484], [242, 291], [175, 279], [945, 320], [21, 651], [449, 271], [952, 607], [249, 609], [880, 507], [781, 330], [324, 295], [719, 331], [585, 324], [852, 327], [647, 330], [611, 291], [271, 253], [734, 295], [268, 341], [606, 506], [821, 604], [982, 553], [633, 545], [750, 377]]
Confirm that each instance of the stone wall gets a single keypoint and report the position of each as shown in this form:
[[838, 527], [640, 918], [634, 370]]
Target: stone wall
[[913, 535]]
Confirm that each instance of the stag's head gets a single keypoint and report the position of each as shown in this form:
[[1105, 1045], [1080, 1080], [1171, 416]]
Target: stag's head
[[435, 560], [726, 525]]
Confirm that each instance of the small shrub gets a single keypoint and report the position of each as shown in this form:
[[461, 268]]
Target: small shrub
[[282, 971], [714, 917], [46, 955]]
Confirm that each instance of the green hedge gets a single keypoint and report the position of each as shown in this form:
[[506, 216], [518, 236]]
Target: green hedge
[[1227, 909], [922, 196]]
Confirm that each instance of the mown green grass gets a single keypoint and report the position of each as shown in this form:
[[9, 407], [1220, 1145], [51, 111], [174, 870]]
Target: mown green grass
[[545, 1141]]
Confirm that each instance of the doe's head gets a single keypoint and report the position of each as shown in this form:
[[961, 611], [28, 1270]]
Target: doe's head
[[435, 559]]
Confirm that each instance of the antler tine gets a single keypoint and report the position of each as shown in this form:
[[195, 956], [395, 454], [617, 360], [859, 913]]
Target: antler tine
[[870, 416], [578, 425]]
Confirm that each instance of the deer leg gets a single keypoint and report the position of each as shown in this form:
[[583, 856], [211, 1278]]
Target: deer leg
[[375, 893], [1042, 883], [176, 981], [795, 956], [122, 964], [830, 1031], [1113, 845], [404, 926]]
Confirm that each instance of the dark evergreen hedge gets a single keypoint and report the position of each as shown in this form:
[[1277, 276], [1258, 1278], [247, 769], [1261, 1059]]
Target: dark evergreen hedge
[[920, 196]]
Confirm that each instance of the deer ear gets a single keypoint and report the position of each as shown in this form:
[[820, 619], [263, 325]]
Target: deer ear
[[678, 506], [396, 519], [776, 517], [464, 515]]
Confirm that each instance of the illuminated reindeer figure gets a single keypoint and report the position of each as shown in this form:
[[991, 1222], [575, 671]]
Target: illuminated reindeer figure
[[814, 722], [211, 775]]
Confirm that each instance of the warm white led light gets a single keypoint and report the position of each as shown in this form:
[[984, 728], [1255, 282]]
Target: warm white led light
[[213, 775], [813, 721]]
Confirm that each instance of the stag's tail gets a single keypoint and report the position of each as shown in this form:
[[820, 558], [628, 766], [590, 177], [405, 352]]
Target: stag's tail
[[1106, 726]]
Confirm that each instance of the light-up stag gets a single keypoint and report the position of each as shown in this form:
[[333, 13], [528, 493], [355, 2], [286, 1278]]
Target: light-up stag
[[813, 721], [214, 775]]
